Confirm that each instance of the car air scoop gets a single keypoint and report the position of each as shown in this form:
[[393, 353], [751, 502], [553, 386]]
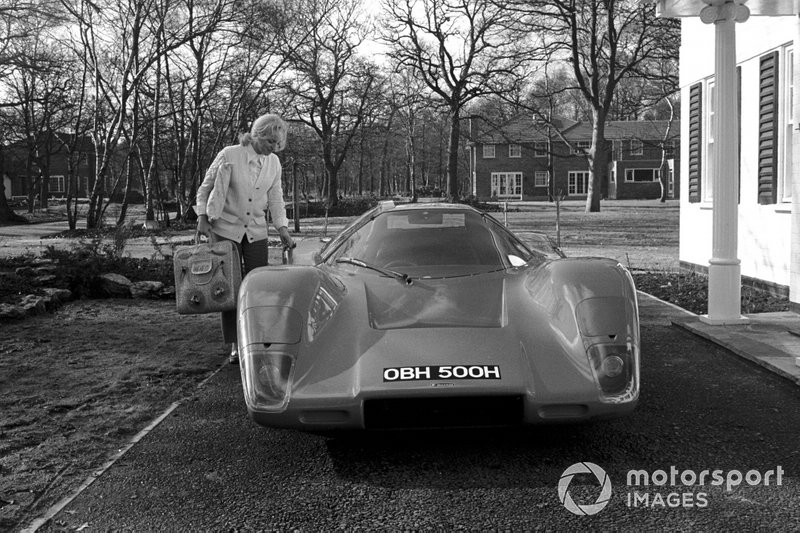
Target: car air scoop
[[474, 302]]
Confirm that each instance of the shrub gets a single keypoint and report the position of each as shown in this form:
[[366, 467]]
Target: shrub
[[134, 197], [689, 290], [80, 268], [482, 206]]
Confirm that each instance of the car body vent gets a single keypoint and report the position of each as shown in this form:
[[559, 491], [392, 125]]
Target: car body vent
[[443, 412]]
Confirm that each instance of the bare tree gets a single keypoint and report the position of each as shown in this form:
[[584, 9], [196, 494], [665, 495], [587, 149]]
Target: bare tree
[[460, 50], [331, 88], [38, 86], [603, 42], [409, 96], [119, 48], [21, 22]]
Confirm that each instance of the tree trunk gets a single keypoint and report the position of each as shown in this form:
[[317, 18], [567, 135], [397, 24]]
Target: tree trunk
[[152, 169], [384, 174], [452, 155], [411, 152], [332, 171], [598, 161], [73, 185], [361, 167], [664, 167], [44, 190], [31, 184]]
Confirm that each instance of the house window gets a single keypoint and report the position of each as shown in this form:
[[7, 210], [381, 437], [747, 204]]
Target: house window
[[56, 184], [578, 182], [581, 147], [540, 149], [506, 185], [488, 151], [641, 174], [541, 178], [637, 147], [514, 150]]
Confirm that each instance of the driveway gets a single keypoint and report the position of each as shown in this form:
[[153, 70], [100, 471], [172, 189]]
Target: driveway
[[703, 409]]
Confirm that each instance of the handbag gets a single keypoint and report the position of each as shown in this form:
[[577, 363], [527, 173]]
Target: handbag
[[207, 277]]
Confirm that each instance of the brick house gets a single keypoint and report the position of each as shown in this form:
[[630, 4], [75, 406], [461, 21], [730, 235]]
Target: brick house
[[520, 160], [15, 172]]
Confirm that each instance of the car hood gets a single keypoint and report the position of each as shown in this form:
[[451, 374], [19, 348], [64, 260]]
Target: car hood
[[474, 302]]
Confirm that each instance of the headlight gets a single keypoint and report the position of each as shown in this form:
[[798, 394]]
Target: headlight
[[614, 368], [267, 377]]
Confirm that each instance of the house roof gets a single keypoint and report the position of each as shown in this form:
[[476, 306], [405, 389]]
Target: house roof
[[642, 129], [518, 129], [524, 129]]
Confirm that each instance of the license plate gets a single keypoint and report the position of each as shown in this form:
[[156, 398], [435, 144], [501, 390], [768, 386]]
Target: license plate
[[425, 373]]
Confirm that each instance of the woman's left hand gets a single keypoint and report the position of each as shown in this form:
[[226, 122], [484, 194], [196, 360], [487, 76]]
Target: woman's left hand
[[286, 239]]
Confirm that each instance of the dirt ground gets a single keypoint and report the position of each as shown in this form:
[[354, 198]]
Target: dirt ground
[[78, 384]]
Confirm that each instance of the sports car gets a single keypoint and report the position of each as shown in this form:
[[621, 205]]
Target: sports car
[[436, 315]]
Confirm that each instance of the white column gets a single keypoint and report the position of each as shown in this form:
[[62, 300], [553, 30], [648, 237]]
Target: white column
[[724, 270]]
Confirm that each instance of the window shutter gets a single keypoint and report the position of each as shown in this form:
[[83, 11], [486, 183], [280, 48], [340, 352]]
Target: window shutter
[[695, 140], [768, 130], [739, 122]]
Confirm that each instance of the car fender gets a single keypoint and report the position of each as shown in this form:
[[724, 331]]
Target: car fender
[[274, 302], [591, 296], [575, 305]]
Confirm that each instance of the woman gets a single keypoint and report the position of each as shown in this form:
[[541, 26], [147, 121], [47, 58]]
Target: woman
[[241, 184]]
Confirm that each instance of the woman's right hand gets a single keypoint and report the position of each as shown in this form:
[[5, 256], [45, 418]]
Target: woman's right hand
[[203, 227]]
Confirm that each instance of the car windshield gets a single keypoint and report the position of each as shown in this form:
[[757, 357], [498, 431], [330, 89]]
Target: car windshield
[[433, 242]]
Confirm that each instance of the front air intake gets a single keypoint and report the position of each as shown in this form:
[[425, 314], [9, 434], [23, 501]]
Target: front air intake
[[443, 412]]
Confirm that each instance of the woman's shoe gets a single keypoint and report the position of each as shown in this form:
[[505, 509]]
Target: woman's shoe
[[233, 358]]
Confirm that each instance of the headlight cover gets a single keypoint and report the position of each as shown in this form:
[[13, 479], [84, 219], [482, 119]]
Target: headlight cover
[[616, 370], [267, 375]]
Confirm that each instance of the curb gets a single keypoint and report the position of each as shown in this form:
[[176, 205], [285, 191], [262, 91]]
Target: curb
[[762, 354], [56, 508]]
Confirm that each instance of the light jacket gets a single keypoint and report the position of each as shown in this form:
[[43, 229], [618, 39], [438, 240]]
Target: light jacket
[[243, 211]]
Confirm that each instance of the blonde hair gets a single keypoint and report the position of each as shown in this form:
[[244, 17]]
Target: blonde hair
[[268, 125]]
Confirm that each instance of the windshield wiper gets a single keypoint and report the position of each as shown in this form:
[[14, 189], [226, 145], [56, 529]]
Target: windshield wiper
[[399, 276]]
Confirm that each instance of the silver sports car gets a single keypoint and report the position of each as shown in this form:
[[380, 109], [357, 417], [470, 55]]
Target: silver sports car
[[436, 315]]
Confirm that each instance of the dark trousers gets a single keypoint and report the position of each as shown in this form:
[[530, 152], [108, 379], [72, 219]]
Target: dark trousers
[[254, 254]]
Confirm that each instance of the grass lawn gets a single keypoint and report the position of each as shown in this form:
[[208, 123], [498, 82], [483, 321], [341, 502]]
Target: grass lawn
[[641, 234]]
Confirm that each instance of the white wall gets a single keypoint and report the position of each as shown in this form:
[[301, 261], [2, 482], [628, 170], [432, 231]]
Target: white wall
[[764, 242]]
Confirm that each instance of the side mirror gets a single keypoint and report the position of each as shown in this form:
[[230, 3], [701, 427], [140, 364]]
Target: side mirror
[[317, 258]]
